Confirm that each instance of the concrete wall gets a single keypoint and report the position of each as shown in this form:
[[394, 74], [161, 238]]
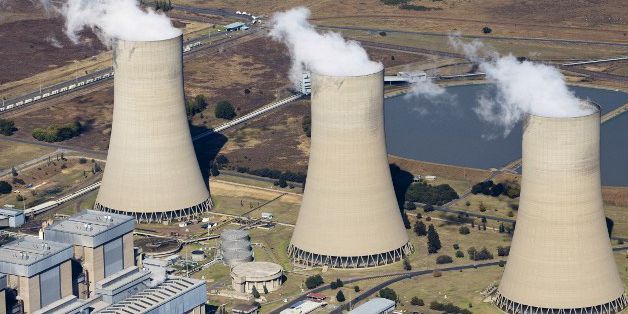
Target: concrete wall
[[29, 292], [561, 254], [127, 247], [151, 163], [95, 266], [65, 271], [349, 206]]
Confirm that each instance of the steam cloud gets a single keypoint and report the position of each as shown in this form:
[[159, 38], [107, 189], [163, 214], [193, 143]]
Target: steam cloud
[[322, 53], [109, 19], [522, 87]]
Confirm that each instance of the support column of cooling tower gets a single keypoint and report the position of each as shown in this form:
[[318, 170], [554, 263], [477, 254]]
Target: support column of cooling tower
[[349, 217], [561, 259], [151, 172]]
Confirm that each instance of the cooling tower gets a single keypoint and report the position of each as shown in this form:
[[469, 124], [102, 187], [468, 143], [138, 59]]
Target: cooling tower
[[561, 259], [349, 217], [152, 172]]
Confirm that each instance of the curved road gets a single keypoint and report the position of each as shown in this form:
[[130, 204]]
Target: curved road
[[396, 277]]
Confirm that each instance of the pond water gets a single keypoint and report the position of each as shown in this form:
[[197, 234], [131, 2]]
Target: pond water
[[448, 131]]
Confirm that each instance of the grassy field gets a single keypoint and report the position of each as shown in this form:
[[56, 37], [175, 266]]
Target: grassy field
[[13, 154]]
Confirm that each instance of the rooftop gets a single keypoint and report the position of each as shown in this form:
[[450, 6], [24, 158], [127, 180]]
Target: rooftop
[[235, 25], [28, 256], [168, 291], [90, 228], [376, 305], [10, 212], [256, 269], [245, 308]]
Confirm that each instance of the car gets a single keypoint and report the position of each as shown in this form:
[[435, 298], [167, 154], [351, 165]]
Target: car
[[80, 83], [19, 103], [63, 89], [72, 86], [36, 98], [106, 75], [89, 81], [10, 106], [45, 95], [28, 100], [54, 92]]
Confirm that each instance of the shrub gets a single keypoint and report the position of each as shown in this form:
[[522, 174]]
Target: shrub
[[224, 110], [415, 7], [82, 160], [464, 230], [456, 246], [486, 30], [416, 301], [419, 229], [356, 288], [7, 127], [382, 33], [437, 306], [255, 293], [5, 187], [394, 2], [503, 251], [406, 264], [58, 133], [307, 126], [409, 206], [195, 105], [444, 259], [459, 254], [437, 273], [388, 293]]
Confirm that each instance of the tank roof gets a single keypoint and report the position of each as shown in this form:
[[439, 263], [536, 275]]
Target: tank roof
[[90, 228], [376, 305], [256, 269], [29, 256]]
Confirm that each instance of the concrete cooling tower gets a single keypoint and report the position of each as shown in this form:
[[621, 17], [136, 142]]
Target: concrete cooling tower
[[349, 217], [561, 259], [152, 172]]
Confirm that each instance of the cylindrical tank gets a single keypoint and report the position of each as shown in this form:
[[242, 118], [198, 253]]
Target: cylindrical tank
[[234, 234], [198, 255], [235, 245], [349, 217], [152, 171], [561, 255], [234, 257]]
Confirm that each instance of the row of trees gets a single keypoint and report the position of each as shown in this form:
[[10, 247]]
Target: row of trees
[[488, 187], [195, 105], [7, 127], [433, 239], [431, 195], [274, 174], [58, 133]]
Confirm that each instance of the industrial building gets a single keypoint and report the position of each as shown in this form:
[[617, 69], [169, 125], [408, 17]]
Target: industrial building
[[38, 271], [103, 245], [375, 306], [349, 217], [152, 172], [235, 26], [3, 293], [11, 217], [245, 276], [560, 258]]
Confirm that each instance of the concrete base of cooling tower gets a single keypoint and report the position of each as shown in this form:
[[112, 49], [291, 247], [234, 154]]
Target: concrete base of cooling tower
[[309, 259], [148, 217], [512, 307]]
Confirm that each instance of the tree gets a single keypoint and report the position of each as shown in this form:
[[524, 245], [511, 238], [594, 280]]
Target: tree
[[431, 195], [503, 251], [224, 110], [339, 283], [255, 293], [265, 290], [333, 285], [459, 254], [356, 288], [433, 240], [388, 293], [486, 30], [416, 301], [502, 229], [409, 206], [214, 170], [313, 281], [5, 187], [419, 228], [7, 127], [340, 297], [444, 259], [406, 264], [464, 230], [282, 183]]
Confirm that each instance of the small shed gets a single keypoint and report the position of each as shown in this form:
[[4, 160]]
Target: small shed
[[236, 26], [11, 217]]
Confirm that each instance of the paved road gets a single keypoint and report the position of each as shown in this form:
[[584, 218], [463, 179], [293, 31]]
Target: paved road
[[540, 39], [395, 278], [219, 12]]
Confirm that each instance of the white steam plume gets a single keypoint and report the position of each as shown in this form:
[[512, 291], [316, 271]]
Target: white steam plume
[[522, 87], [322, 53], [424, 87], [121, 19]]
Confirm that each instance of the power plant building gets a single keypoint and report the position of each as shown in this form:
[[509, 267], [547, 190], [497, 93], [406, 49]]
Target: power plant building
[[349, 217], [561, 259], [39, 271], [152, 172], [103, 244], [245, 276]]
